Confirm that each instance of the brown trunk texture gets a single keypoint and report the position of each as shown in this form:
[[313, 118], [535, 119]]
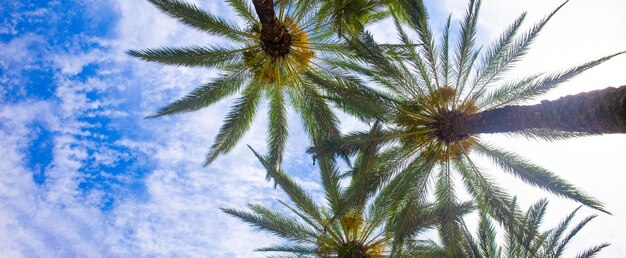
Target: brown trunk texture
[[274, 35], [599, 111]]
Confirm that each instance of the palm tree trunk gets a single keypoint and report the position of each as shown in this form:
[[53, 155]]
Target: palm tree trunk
[[598, 112], [274, 35]]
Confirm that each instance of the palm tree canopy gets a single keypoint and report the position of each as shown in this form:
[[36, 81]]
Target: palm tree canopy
[[255, 66], [430, 87], [355, 221]]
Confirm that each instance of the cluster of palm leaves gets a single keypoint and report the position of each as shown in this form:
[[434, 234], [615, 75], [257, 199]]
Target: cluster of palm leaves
[[427, 102]]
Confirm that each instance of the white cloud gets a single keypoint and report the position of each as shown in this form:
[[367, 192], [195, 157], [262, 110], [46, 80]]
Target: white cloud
[[32, 223]]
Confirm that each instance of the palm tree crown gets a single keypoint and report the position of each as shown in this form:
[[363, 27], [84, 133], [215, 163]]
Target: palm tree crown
[[256, 65], [435, 90], [355, 222]]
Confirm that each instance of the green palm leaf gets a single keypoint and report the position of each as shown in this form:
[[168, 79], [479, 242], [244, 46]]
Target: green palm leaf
[[237, 122], [277, 133], [409, 185], [290, 248], [195, 56], [538, 87], [515, 51], [506, 92], [205, 95], [465, 48], [489, 68], [368, 50], [536, 175], [318, 118], [526, 240], [330, 181], [490, 197], [295, 192], [444, 55], [275, 223], [199, 19], [563, 243], [354, 98], [487, 236], [244, 11], [423, 249], [546, 134], [449, 230], [418, 19], [591, 252]]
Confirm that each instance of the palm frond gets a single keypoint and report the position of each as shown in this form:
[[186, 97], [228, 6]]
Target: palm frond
[[465, 47], [512, 235], [359, 190], [275, 223], [349, 18], [470, 246], [389, 199], [352, 142], [366, 48], [290, 248], [237, 122], [277, 133], [533, 219], [487, 236], [295, 192], [489, 69], [417, 215], [423, 76], [444, 54], [423, 249], [330, 182], [526, 240], [205, 95], [504, 94], [449, 229], [409, 183], [244, 10], [490, 197], [191, 15], [545, 134], [516, 50], [306, 218], [535, 175], [195, 56], [410, 221], [591, 252], [563, 243], [317, 117], [354, 98], [538, 87], [418, 19]]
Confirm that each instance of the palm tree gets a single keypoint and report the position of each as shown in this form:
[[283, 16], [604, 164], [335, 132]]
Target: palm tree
[[355, 222], [526, 240], [439, 102], [269, 57]]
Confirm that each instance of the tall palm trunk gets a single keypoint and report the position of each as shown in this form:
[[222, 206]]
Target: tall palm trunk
[[600, 111], [274, 35]]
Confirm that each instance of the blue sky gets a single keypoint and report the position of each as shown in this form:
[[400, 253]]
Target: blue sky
[[84, 175]]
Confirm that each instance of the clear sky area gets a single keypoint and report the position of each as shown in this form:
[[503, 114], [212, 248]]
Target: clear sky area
[[83, 174]]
